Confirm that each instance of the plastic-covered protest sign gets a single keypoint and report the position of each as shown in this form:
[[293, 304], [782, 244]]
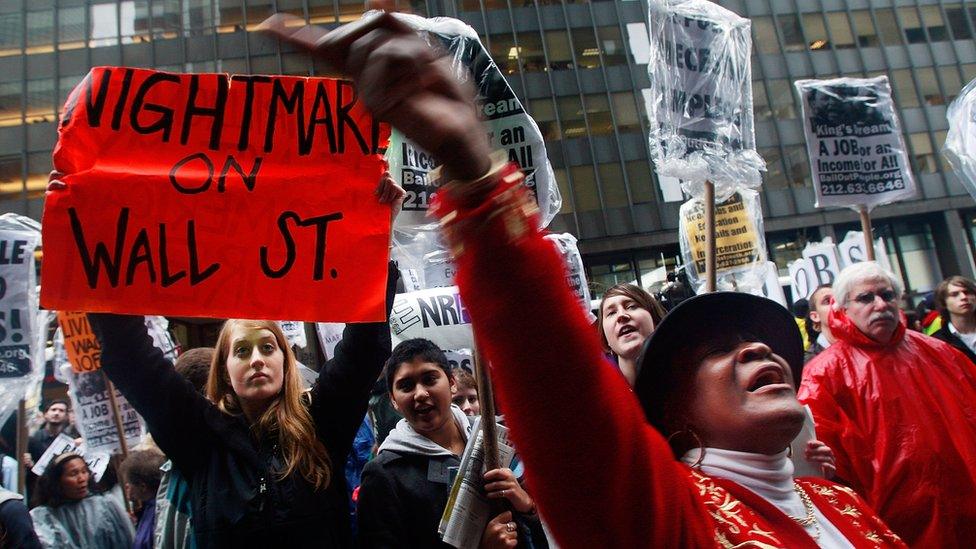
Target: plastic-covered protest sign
[[960, 143], [857, 153], [740, 245], [509, 127], [575, 271], [19, 237], [95, 417], [219, 196], [700, 102], [82, 347]]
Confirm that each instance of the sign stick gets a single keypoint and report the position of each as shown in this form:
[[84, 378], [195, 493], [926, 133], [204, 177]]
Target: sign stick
[[123, 446], [868, 234], [489, 435], [21, 446], [709, 203]]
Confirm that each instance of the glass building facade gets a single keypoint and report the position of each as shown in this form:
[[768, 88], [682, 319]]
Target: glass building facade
[[580, 69]]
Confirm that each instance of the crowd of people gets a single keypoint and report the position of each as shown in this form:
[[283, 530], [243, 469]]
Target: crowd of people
[[651, 428]]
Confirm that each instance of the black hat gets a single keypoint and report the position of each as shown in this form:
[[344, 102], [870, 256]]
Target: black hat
[[699, 320]]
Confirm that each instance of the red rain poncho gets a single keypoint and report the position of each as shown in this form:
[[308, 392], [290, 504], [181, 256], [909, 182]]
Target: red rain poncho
[[901, 419]]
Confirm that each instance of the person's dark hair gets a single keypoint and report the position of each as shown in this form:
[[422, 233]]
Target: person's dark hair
[[194, 365], [410, 350], [812, 333], [52, 402], [142, 467], [465, 380], [643, 299], [801, 307], [48, 490], [942, 291]]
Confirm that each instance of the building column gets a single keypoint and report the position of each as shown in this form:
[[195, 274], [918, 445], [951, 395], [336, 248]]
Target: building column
[[957, 257]]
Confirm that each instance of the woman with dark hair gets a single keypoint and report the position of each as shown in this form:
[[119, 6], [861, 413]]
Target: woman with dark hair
[[628, 316], [68, 515], [597, 453]]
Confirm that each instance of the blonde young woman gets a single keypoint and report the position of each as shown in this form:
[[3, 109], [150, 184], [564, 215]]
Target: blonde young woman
[[263, 460]]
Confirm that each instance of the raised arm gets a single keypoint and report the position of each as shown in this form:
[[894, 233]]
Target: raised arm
[[177, 415], [341, 394], [596, 468]]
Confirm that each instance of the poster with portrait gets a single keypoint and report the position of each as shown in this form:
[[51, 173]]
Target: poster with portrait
[[854, 141]]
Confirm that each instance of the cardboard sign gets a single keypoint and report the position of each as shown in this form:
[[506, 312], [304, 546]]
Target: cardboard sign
[[854, 140], [18, 297], [218, 196], [94, 415], [701, 120], [82, 347], [97, 461], [824, 264], [737, 240]]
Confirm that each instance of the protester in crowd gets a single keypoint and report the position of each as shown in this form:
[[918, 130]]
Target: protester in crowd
[[406, 487], [955, 299], [258, 455], [818, 330], [466, 397], [801, 310], [628, 315], [16, 526], [899, 410], [55, 421], [601, 472], [141, 474], [174, 507], [69, 515]]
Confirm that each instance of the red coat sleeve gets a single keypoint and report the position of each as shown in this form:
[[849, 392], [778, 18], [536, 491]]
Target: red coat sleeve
[[598, 471]]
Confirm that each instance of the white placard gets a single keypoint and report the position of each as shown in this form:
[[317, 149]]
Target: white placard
[[330, 333], [97, 461], [854, 141], [824, 263], [437, 314], [93, 412], [294, 332]]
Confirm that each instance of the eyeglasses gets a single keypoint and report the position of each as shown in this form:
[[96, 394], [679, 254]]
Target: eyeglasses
[[867, 298]]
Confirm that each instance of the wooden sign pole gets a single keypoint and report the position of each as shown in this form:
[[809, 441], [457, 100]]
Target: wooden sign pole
[[21, 446], [868, 233], [486, 396], [709, 205], [123, 446]]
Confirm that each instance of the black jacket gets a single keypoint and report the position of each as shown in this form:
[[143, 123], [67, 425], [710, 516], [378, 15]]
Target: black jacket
[[952, 339], [402, 498], [236, 499]]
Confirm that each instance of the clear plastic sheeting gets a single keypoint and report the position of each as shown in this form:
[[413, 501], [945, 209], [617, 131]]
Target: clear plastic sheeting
[[23, 327], [509, 128], [96, 521], [960, 143], [740, 244], [701, 121], [854, 140], [575, 272]]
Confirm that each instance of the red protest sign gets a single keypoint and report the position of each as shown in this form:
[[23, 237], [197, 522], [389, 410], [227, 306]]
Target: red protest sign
[[84, 351], [218, 196]]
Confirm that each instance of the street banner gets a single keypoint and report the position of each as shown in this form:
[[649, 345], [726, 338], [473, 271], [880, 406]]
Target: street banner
[[93, 412], [509, 127], [217, 196], [854, 141], [437, 314], [739, 240], [960, 143], [19, 237], [97, 461], [700, 101]]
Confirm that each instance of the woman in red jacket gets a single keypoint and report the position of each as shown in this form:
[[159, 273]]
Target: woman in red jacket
[[722, 366]]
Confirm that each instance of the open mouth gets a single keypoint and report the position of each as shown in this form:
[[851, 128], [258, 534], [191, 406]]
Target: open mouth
[[422, 410], [766, 376], [626, 329]]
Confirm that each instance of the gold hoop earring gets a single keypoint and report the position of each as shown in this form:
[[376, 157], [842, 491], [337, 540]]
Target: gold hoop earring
[[698, 443]]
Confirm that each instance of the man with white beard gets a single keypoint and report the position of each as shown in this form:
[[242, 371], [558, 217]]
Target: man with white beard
[[899, 410]]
